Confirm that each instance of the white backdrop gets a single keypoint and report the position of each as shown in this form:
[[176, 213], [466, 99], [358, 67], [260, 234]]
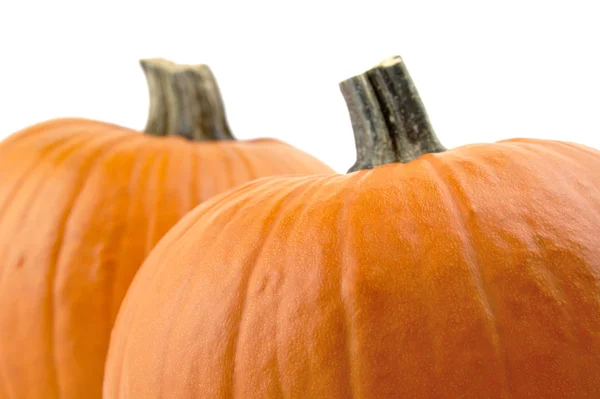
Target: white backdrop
[[485, 72]]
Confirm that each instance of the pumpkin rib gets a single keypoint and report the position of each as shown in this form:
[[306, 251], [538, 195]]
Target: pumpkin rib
[[543, 277], [177, 305], [285, 160], [192, 187], [27, 173], [535, 148], [143, 159], [282, 160], [61, 152], [135, 182], [187, 223], [243, 290], [447, 182], [304, 188], [207, 180], [155, 192], [181, 291], [229, 170], [114, 303], [58, 151], [579, 162], [136, 162], [138, 189], [351, 197], [56, 258], [250, 266], [575, 160], [168, 339], [18, 187], [297, 190], [23, 139], [4, 392], [244, 159], [21, 136], [589, 152]]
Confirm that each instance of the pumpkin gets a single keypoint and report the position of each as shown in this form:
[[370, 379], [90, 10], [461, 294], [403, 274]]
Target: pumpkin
[[82, 202], [425, 272]]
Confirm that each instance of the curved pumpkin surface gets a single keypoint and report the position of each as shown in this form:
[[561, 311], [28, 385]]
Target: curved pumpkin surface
[[81, 204], [470, 273]]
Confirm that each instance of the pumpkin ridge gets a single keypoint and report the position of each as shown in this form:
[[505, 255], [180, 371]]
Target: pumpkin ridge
[[351, 197], [177, 300], [56, 150], [445, 185], [105, 148], [24, 139], [158, 169], [304, 188], [232, 217], [296, 156], [140, 161], [136, 179], [25, 134], [37, 165], [582, 151], [285, 158], [112, 303], [270, 225], [244, 159], [192, 188], [188, 222], [12, 193], [588, 151], [168, 341], [229, 165], [573, 160]]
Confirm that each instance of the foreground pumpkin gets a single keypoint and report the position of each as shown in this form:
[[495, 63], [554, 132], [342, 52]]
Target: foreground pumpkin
[[467, 273], [81, 204]]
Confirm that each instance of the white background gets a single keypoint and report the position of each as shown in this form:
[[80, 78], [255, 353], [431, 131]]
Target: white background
[[486, 70]]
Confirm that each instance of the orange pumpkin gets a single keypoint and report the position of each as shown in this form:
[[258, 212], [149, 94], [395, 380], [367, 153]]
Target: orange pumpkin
[[82, 203], [426, 273]]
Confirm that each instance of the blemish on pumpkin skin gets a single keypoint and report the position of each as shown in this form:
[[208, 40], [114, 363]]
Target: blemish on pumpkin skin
[[20, 262], [270, 282]]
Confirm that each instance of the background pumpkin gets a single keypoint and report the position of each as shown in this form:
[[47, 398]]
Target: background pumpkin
[[468, 273], [81, 204]]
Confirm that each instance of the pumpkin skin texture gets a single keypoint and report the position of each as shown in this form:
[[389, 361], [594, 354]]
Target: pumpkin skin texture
[[81, 204], [469, 273]]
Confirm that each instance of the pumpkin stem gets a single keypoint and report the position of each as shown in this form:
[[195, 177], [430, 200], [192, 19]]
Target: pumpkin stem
[[388, 118], [184, 100]]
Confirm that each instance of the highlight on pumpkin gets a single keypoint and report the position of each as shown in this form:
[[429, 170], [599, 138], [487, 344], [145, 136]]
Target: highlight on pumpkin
[[83, 202]]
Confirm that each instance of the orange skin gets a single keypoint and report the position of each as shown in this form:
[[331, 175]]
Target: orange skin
[[81, 205], [473, 273]]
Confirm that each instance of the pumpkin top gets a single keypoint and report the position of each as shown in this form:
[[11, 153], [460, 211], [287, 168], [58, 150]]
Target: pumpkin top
[[388, 117], [185, 101]]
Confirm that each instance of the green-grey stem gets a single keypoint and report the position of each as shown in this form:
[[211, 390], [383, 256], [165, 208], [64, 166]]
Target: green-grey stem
[[388, 117], [185, 100]]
